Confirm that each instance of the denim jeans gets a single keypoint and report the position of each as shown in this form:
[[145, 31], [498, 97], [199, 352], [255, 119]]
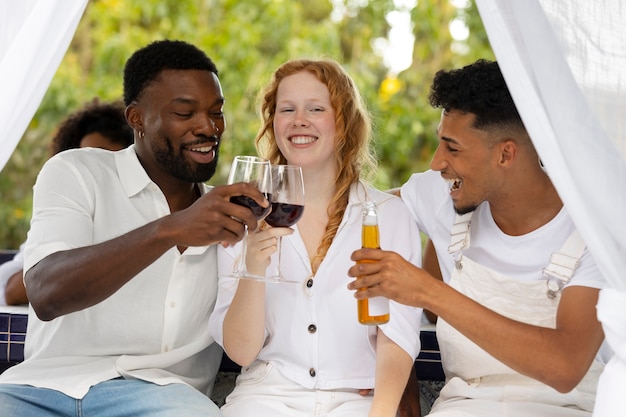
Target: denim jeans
[[114, 398]]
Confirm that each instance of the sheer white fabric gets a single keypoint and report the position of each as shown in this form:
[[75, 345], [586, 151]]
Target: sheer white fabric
[[34, 35], [565, 64]]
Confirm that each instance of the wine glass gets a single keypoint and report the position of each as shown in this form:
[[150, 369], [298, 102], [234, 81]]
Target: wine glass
[[255, 170], [287, 206]]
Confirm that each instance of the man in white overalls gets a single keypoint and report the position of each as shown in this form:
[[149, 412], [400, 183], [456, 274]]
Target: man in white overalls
[[517, 321]]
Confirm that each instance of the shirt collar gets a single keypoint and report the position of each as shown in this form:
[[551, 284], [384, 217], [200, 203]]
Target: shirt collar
[[134, 179], [133, 176], [359, 194]]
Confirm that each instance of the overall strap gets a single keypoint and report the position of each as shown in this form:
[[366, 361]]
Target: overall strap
[[563, 263], [460, 237]]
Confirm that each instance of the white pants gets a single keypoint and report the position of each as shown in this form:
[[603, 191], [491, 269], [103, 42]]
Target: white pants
[[506, 398], [261, 391], [477, 407]]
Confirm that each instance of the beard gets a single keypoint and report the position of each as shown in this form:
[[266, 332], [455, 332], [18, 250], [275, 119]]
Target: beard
[[182, 169], [464, 210]]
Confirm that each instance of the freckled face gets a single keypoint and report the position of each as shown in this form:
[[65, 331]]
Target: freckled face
[[304, 122]]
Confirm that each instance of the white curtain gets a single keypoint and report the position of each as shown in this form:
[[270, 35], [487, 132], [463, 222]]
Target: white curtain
[[565, 64], [34, 35]]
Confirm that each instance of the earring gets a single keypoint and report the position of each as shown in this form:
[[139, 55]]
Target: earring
[[543, 167], [140, 134]]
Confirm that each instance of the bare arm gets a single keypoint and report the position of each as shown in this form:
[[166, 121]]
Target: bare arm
[[244, 323], [565, 353], [430, 263], [410, 403], [57, 285], [393, 366], [559, 357], [14, 292]]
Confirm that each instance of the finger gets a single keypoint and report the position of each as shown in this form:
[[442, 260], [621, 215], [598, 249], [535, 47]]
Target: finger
[[367, 254], [248, 190], [268, 251], [242, 209], [366, 292], [270, 233], [281, 231], [232, 230], [243, 214], [364, 281], [263, 242], [355, 271], [254, 193], [362, 269]]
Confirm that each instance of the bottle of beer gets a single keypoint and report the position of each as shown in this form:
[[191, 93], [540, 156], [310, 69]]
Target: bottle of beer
[[372, 310]]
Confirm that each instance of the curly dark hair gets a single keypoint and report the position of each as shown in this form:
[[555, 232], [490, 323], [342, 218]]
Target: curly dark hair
[[480, 89], [105, 118], [145, 65]]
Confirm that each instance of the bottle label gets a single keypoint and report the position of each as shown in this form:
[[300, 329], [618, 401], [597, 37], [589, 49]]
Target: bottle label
[[378, 306]]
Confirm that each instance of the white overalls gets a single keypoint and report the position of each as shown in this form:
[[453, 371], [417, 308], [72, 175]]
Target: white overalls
[[477, 384]]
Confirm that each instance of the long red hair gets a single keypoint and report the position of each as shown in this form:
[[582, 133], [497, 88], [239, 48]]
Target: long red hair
[[354, 157]]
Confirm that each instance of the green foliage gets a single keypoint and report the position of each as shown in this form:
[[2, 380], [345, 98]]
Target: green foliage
[[248, 39]]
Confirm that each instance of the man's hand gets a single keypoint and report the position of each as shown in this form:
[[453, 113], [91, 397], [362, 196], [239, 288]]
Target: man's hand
[[213, 218], [261, 245], [390, 276]]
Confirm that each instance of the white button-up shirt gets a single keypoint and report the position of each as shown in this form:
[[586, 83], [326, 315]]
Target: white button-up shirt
[[312, 333], [155, 327]]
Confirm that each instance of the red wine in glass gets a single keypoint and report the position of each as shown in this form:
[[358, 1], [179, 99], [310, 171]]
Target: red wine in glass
[[244, 200], [287, 207], [256, 171], [284, 214]]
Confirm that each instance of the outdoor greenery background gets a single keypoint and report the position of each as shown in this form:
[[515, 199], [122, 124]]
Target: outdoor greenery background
[[248, 40]]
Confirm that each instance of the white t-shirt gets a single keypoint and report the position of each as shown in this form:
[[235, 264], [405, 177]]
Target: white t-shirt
[[155, 327], [521, 257], [312, 334]]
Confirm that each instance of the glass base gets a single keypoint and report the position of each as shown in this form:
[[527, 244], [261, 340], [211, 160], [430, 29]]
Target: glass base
[[276, 279]]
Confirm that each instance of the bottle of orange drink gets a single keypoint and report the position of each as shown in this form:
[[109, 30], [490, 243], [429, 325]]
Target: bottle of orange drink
[[372, 310]]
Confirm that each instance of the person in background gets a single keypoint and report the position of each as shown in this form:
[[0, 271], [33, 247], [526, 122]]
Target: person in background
[[120, 261], [98, 125], [301, 346], [516, 324]]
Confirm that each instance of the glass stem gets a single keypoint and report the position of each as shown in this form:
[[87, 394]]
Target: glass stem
[[279, 243], [242, 269]]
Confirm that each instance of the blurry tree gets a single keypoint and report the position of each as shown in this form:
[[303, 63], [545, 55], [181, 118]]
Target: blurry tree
[[248, 39]]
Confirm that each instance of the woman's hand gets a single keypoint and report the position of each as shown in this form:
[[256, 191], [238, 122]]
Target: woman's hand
[[262, 243]]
